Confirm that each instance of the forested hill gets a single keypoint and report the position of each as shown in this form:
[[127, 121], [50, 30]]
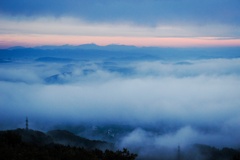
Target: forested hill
[[61, 144], [29, 144], [55, 136]]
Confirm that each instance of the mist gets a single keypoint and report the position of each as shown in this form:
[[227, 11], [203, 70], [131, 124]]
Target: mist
[[167, 103]]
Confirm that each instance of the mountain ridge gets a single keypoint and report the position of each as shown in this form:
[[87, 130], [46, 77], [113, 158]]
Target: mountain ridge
[[117, 52], [62, 137]]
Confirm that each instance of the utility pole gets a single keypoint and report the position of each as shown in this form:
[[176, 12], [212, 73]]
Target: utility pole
[[26, 123], [178, 153]]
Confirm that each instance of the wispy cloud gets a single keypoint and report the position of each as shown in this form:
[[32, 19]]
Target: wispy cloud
[[73, 26], [120, 22], [151, 145], [148, 12]]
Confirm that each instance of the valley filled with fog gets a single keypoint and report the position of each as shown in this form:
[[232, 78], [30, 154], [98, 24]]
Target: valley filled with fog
[[143, 99]]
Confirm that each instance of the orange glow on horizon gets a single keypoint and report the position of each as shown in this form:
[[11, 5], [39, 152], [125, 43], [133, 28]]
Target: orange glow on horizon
[[38, 40]]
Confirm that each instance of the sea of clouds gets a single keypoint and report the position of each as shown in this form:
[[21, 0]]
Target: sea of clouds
[[200, 97]]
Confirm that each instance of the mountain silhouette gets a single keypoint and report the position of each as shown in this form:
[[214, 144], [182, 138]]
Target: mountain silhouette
[[67, 138], [30, 144], [62, 137]]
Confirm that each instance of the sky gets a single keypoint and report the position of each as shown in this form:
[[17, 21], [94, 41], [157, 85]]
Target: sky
[[163, 23]]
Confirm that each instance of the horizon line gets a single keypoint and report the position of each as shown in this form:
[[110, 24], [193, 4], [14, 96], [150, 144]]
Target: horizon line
[[30, 41]]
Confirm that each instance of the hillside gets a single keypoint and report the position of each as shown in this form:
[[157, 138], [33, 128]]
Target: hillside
[[67, 138], [62, 137], [29, 144]]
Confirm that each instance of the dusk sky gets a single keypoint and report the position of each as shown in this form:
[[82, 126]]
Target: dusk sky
[[164, 23], [180, 85]]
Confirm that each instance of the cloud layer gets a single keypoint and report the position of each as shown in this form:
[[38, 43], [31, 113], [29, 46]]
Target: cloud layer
[[120, 22], [169, 103], [73, 26], [149, 12], [153, 92]]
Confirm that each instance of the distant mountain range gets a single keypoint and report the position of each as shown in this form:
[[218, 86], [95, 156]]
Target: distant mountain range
[[91, 46], [88, 47], [115, 52]]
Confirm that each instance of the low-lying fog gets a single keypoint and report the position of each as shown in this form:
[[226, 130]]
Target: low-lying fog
[[200, 99]]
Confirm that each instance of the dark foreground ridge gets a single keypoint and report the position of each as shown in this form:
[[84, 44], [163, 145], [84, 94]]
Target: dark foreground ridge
[[22, 144], [29, 144]]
